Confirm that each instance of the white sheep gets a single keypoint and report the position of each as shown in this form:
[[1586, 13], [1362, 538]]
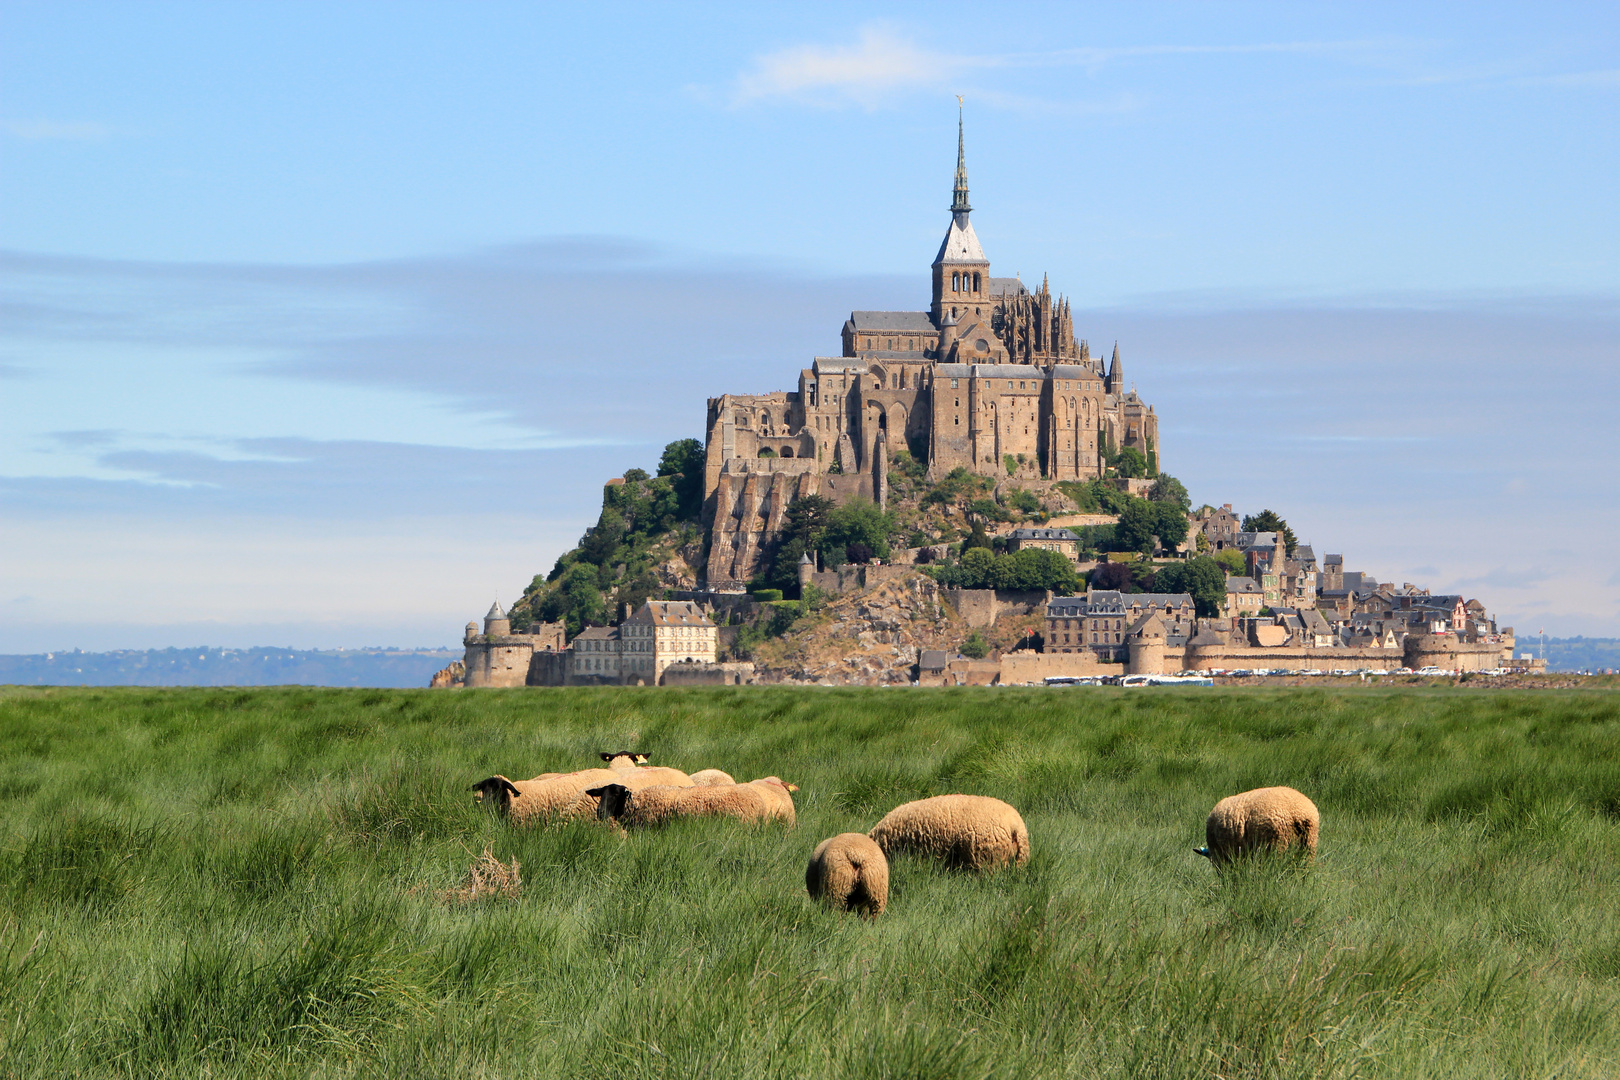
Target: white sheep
[[628, 761], [556, 797], [656, 805], [711, 778], [968, 831], [1275, 818], [849, 872], [780, 793]]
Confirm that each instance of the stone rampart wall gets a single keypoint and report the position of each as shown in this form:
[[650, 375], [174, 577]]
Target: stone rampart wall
[[982, 607], [1033, 667]]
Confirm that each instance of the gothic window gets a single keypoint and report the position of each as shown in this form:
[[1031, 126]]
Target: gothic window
[[956, 283], [975, 282]]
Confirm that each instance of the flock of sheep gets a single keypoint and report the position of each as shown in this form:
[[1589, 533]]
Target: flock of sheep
[[850, 871]]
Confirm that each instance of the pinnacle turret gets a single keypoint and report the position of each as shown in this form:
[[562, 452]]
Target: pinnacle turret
[[1114, 383], [959, 199]]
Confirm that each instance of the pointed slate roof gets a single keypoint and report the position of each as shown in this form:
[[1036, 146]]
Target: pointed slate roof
[[961, 245]]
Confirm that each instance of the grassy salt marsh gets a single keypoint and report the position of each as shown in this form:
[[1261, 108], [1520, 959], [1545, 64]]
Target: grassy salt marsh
[[250, 883]]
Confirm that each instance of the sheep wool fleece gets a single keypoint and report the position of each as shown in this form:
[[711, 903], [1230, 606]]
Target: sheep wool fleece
[[1275, 817], [711, 778], [555, 798], [780, 795], [973, 832], [849, 873], [656, 805]]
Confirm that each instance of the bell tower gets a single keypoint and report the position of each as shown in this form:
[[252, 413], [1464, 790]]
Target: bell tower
[[961, 272]]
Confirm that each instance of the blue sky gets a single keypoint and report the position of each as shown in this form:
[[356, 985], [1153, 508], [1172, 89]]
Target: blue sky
[[322, 324]]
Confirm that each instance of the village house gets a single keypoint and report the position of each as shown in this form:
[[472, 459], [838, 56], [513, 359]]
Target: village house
[[1063, 541], [1243, 596]]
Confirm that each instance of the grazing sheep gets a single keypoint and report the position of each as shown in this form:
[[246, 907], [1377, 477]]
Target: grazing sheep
[[656, 805], [524, 801], [1275, 818], [648, 775], [711, 778], [780, 793], [849, 872], [972, 832], [628, 761]]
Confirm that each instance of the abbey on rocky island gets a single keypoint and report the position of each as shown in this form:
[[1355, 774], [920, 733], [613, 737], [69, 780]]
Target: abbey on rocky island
[[990, 379]]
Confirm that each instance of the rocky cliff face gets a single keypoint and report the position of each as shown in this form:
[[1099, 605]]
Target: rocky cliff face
[[871, 636], [452, 674]]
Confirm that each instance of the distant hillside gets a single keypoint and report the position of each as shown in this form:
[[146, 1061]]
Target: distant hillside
[[1575, 653], [228, 667]]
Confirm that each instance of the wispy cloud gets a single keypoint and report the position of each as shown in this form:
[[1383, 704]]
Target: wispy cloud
[[69, 131], [882, 62], [1601, 79]]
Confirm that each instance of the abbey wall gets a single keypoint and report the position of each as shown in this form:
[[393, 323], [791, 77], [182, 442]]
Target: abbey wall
[[991, 378]]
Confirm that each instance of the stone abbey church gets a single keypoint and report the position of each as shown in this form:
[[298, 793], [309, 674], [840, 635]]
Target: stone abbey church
[[990, 378]]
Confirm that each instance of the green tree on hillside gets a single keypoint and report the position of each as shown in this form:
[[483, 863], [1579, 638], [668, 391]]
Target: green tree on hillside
[[1167, 489], [682, 461], [576, 600], [1170, 523], [1269, 521], [1232, 561], [1202, 577], [1130, 462], [1138, 524], [976, 538], [858, 521], [802, 528]]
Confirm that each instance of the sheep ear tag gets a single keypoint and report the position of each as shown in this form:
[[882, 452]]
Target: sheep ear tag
[[1204, 851]]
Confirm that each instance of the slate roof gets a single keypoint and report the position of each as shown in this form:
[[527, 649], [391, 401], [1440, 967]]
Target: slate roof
[[1007, 286], [1112, 602], [670, 613], [961, 245], [1042, 534], [905, 322]]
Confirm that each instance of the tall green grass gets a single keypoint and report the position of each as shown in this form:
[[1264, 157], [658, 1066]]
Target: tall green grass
[[248, 883]]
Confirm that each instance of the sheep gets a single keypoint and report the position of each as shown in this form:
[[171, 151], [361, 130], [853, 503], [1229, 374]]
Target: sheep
[[780, 793], [656, 805], [711, 778], [628, 761], [557, 797], [971, 832], [850, 873], [1275, 818]]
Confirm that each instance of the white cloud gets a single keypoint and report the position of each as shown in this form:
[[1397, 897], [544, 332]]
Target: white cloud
[[883, 62], [879, 63], [55, 129], [1610, 78]]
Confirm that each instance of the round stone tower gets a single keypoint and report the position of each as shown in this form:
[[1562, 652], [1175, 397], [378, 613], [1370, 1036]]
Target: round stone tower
[[1147, 648]]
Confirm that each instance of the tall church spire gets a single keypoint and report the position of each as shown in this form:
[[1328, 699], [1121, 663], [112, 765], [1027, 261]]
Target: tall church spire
[[959, 200]]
